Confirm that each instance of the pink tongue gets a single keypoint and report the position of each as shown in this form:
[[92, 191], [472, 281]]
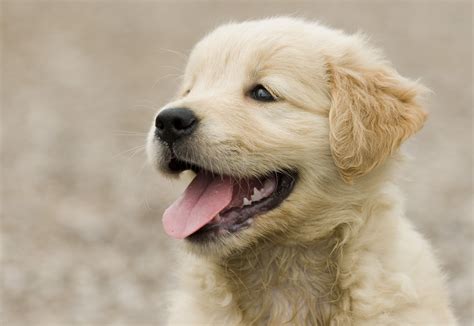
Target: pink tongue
[[205, 196]]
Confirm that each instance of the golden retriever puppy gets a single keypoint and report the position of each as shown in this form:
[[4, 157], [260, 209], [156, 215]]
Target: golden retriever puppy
[[294, 216]]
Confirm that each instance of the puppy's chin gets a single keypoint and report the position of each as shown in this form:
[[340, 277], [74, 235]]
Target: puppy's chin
[[224, 246]]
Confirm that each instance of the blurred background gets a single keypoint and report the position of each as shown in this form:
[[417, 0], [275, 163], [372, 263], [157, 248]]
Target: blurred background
[[81, 236]]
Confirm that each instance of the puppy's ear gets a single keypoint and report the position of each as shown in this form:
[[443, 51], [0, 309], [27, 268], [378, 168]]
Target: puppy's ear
[[372, 112]]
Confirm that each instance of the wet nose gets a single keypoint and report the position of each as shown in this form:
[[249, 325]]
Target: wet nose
[[176, 123]]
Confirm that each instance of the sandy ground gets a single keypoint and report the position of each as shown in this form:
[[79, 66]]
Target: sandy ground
[[81, 233]]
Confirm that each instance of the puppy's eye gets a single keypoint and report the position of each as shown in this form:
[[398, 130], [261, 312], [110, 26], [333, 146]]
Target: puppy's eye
[[260, 93]]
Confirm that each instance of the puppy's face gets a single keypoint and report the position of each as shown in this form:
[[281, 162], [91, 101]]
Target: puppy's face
[[255, 120]]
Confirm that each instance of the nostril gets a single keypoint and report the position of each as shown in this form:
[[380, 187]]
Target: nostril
[[183, 123], [159, 124]]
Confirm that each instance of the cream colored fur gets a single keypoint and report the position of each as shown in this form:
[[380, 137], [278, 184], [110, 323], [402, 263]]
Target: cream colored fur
[[339, 250]]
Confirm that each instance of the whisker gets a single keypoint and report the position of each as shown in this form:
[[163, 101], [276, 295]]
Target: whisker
[[131, 135], [144, 107], [156, 83], [172, 67], [180, 54], [130, 150], [128, 133], [138, 150]]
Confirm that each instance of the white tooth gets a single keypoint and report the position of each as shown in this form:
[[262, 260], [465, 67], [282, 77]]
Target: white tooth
[[256, 195], [268, 188], [247, 202]]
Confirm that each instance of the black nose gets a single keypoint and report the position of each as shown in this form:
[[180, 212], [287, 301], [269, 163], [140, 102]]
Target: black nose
[[173, 124]]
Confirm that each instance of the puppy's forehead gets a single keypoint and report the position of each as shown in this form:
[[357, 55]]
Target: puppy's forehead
[[245, 50]]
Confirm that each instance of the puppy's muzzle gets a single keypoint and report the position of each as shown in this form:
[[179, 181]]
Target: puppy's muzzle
[[174, 124]]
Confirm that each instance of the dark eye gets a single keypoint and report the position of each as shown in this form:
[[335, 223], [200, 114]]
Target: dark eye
[[260, 93]]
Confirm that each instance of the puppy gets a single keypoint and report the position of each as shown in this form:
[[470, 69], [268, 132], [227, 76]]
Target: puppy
[[294, 216]]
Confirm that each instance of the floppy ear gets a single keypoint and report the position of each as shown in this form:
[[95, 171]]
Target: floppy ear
[[372, 112]]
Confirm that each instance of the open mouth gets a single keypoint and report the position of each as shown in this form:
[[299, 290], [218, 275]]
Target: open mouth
[[215, 205]]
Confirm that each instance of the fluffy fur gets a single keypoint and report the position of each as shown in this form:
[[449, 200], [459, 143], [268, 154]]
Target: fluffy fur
[[338, 250]]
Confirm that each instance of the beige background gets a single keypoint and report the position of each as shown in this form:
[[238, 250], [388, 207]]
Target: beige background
[[81, 235]]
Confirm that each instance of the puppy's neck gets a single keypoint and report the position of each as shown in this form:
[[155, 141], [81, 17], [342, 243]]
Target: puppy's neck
[[272, 283]]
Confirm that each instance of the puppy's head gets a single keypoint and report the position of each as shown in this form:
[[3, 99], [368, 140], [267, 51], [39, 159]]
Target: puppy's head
[[270, 116]]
